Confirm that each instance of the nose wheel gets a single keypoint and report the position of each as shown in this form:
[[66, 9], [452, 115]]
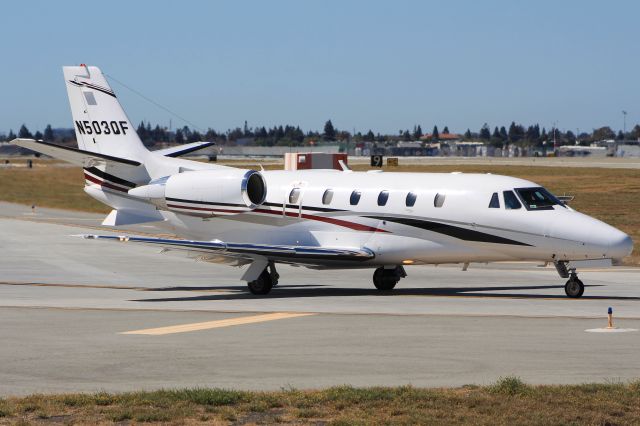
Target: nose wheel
[[574, 288]]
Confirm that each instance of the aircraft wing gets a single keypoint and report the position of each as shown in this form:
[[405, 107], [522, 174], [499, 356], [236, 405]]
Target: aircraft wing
[[177, 151], [297, 254], [70, 155]]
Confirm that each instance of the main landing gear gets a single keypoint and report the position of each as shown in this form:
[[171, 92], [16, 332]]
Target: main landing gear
[[265, 281], [574, 288], [386, 278]]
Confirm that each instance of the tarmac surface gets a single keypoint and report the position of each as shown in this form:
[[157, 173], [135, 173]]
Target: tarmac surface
[[82, 315]]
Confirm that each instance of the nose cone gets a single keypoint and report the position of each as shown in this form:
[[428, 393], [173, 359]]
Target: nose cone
[[620, 246]]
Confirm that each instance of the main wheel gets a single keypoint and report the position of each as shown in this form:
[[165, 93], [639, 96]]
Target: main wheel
[[262, 285], [574, 288], [385, 279]]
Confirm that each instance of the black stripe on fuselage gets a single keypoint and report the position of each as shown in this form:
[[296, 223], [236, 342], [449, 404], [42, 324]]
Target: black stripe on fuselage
[[296, 206], [277, 205], [110, 177], [182, 200], [451, 230]]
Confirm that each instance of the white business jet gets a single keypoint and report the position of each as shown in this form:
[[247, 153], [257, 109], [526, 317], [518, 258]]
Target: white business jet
[[321, 219]]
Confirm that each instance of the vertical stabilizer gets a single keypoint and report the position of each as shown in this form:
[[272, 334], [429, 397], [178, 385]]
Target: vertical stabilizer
[[100, 123]]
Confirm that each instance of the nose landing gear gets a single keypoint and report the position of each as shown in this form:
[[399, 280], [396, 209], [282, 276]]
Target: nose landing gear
[[574, 288]]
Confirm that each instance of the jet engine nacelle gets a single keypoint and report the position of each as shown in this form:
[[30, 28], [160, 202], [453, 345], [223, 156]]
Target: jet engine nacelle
[[206, 192]]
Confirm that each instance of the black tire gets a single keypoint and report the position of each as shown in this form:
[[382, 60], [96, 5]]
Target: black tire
[[262, 285], [385, 279], [574, 288]]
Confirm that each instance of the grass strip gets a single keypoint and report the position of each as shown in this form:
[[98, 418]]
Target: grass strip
[[508, 401]]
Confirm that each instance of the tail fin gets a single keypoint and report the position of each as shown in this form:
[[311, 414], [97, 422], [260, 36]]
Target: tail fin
[[100, 123]]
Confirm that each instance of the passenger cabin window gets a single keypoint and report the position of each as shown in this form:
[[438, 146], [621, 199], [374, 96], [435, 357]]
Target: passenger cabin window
[[294, 196], [355, 198], [511, 201], [438, 200], [327, 196], [411, 199], [383, 197], [538, 198], [495, 201]]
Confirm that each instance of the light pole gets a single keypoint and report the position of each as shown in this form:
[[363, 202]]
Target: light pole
[[624, 124]]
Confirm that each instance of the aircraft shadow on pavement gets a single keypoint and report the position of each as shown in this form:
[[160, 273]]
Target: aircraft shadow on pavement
[[301, 291]]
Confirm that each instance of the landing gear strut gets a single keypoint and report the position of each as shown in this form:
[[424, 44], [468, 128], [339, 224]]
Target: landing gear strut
[[385, 279], [574, 288], [266, 281]]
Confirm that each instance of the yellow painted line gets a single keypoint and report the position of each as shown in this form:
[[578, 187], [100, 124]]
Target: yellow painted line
[[197, 326]]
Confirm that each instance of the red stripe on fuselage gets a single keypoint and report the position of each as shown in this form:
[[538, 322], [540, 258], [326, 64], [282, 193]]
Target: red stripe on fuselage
[[338, 222], [103, 183], [351, 225]]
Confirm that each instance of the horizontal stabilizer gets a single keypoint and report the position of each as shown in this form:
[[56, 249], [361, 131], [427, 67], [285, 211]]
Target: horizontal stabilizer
[[70, 155], [177, 151], [131, 217], [249, 251]]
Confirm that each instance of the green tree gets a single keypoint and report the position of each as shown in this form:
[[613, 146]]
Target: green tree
[[417, 132], [516, 132], [38, 136], [467, 134], [179, 139], [24, 132], [11, 136], [48, 133], [495, 137], [503, 134], [601, 134], [435, 135], [329, 131], [445, 131], [485, 133]]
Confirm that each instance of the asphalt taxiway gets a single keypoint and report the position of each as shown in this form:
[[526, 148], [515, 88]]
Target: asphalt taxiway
[[82, 315]]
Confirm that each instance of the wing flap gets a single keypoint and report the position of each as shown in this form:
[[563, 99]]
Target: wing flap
[[249, 251]]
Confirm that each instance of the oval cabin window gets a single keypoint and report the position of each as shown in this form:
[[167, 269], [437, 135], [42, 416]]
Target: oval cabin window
[[383, 197], [294, 196], [411, 199], [438, 200], [327, 196], [355, 198]]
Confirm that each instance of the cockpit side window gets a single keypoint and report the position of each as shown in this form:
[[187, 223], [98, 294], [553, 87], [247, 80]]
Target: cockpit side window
[[495, 201], [538, 198], [511, 201]]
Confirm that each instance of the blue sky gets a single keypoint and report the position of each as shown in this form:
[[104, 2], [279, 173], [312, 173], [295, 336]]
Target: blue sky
[[363, 64]]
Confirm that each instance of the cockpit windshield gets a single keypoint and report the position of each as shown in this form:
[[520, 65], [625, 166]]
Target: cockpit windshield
[[538, 198]]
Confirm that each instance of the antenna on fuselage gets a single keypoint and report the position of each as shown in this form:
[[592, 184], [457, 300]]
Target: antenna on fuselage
[[343, 166]]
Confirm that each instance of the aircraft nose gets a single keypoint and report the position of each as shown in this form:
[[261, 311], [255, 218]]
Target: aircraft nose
[[620, 246]]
